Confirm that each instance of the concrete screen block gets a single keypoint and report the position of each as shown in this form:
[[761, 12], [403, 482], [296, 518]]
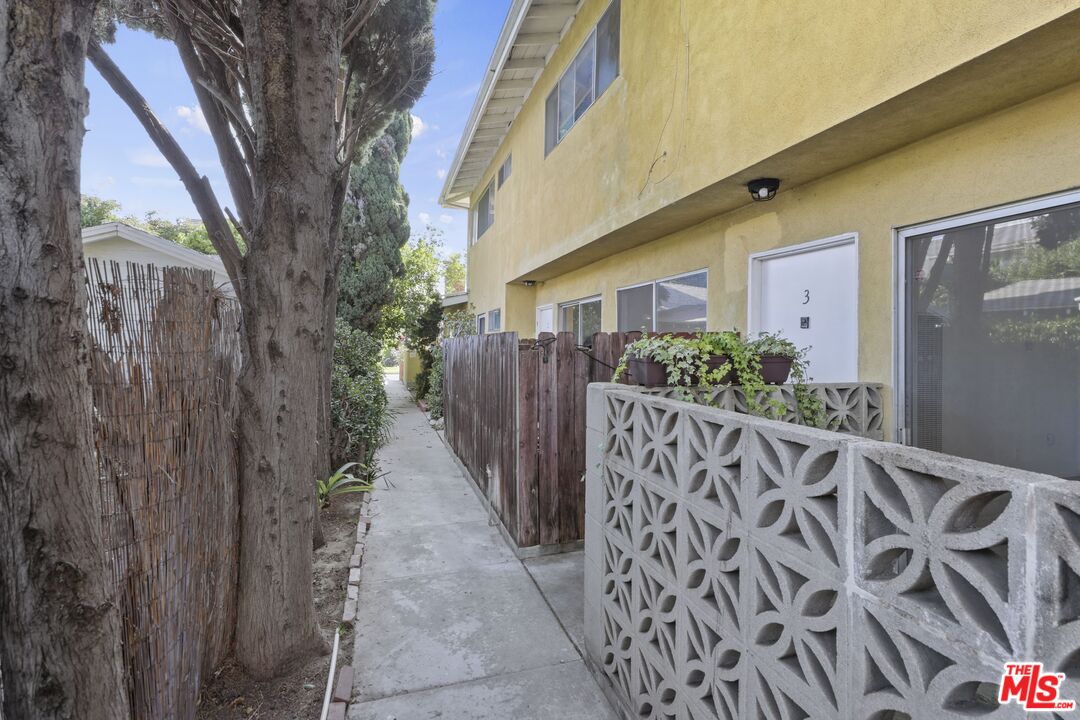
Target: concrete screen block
[[941, 539], [748, 568]]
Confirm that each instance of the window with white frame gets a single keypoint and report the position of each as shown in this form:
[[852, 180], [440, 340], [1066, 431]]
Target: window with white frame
[[676, 304], [593, 69], [494, 323], [991, 336], [505, 168], [485, 210], [581, 317], [481, 323]]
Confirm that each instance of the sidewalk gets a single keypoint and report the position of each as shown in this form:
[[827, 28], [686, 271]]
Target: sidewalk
[[450, 624]]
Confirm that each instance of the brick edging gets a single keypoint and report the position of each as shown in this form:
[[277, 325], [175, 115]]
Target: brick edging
[[339, 701]]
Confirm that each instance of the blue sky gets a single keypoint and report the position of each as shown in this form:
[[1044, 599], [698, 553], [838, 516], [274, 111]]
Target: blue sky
[[120, 162]]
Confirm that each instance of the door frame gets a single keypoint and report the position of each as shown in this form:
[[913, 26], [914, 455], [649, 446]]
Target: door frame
[[754, 283]]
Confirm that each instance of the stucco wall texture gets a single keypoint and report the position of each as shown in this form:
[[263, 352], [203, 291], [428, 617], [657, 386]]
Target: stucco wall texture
[[650, 182]]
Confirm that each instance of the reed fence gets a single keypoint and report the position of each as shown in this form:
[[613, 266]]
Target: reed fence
[[165, 357]]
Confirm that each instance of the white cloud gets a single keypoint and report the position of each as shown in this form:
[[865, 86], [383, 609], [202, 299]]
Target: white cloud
[[425, 218], [441, 173], [194, 117], [441, 153], [148, 158], [418, 126], [158, 182], [446, 219]]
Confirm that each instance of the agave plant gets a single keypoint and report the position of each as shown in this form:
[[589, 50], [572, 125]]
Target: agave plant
[[341, 482]]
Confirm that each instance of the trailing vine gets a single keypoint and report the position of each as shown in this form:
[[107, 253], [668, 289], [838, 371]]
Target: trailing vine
[[685, 360]]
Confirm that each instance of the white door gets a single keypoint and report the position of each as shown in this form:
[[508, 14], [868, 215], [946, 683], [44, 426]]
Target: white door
[[809, 294], [545, 319]]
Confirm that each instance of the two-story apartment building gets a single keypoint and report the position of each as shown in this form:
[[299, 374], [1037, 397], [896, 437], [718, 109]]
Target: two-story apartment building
[[926, 229]]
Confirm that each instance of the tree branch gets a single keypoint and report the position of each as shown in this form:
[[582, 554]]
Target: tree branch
[[232, 160], [202, 195]]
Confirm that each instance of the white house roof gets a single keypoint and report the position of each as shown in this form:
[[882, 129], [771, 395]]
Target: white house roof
[[185, 256], [455, 299], [531, 32], [1048, 294]]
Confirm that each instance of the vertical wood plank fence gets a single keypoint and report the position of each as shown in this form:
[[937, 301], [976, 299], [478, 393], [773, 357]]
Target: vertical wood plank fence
[[515, 417], [164, 362]]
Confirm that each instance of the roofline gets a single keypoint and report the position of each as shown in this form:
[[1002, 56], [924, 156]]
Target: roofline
[[124, 231], [515, 16], [455, 299]]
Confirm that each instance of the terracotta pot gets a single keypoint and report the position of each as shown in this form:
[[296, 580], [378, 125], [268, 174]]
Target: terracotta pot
[[649, 373], [775, 369]]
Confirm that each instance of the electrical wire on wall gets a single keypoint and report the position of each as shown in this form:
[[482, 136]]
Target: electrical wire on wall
[[657, 155]]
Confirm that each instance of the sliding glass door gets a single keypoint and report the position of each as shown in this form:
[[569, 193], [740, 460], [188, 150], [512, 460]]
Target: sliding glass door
[[992, 339]]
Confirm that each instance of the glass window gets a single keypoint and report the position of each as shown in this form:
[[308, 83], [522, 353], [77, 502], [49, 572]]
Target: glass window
[[635, 308], [568, 318], [992, 327], [504, 170], [581, 317], [681, 303], [481, 324], [485, 211], [593, 69], [566, 107], [495, 321], [583, 77], [607, 48], [551, 120]]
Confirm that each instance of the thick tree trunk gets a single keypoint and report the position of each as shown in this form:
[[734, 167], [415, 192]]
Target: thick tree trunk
[[59, 631], [287, 343]]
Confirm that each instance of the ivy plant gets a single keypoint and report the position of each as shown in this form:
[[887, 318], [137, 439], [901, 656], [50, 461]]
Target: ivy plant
[[809, 407]]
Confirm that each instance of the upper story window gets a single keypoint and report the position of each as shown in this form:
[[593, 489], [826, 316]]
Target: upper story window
[[592, 70], [485, 210], [494, 321], [504, 169], [677, 304]]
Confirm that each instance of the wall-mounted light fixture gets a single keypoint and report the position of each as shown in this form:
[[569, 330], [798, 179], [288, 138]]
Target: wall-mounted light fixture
[[528, 283], [763, 189]]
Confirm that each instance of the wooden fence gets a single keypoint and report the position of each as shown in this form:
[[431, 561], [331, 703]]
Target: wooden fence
[[515, 417], [164, 363]]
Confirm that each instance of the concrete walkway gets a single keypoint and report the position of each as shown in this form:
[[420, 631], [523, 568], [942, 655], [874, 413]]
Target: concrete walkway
[[450, 624]]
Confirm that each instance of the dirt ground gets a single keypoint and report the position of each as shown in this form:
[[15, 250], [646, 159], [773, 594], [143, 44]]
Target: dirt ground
[[230, 695]]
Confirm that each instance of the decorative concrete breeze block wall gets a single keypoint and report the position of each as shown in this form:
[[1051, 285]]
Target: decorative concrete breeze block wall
[[738, 567]]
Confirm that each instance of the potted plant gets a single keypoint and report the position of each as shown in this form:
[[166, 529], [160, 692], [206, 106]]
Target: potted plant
[[777, 356], [780, 359], [663, 360]]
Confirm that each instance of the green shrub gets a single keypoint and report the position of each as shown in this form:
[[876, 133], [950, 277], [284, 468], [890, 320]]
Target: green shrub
[[434, 395], [359, 412]]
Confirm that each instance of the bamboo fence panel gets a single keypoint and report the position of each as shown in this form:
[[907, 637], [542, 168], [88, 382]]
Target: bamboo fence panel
[[165, 357]]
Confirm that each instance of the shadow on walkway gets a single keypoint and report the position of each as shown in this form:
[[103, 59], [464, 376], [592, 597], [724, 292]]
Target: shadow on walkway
[[450, 623]]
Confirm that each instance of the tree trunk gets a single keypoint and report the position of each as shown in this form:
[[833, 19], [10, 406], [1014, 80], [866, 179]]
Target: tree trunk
[[293, 91], [59, 630]]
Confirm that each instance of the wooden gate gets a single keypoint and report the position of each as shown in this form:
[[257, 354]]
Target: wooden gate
[[515, 417]]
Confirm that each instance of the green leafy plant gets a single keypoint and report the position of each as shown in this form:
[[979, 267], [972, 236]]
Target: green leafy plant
[[341, 483], [685, 360], [809, 407], [360, 416]]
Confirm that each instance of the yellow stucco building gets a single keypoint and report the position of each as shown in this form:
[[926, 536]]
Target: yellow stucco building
[[928, 155]]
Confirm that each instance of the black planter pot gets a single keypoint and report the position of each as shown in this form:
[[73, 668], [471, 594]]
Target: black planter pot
[[649, 373], [715, 362], [775, 369]]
